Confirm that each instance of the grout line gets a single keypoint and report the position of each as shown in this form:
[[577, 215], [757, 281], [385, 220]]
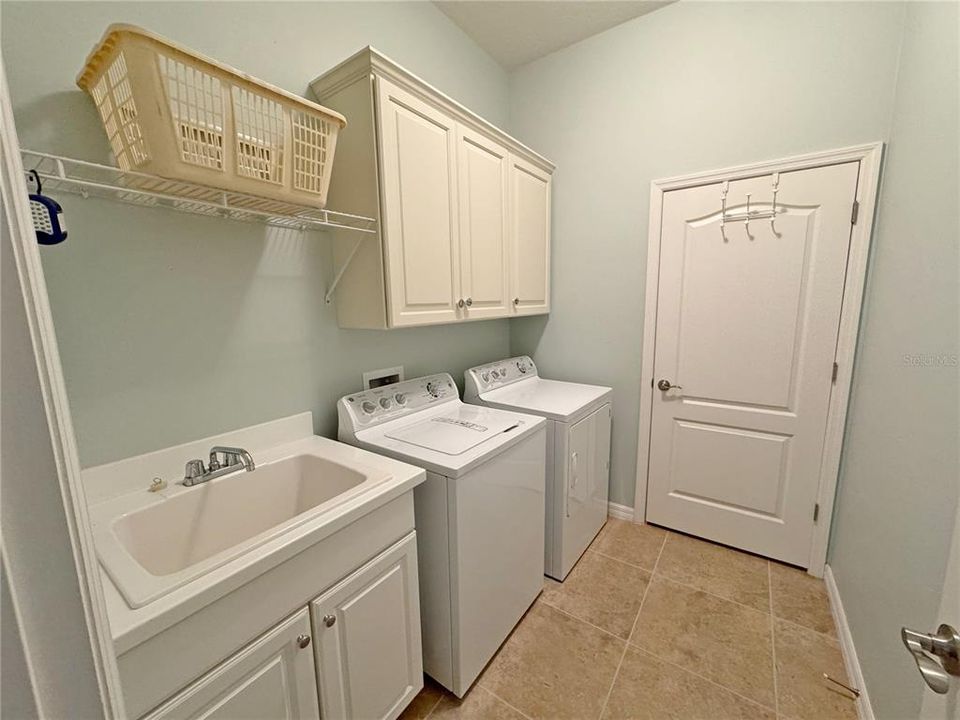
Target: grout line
[[773, 641], [821, 635], [581, 620], [515, 709], [636, 619], [625, 562], [436, 704], [714, 595], [713, 682]]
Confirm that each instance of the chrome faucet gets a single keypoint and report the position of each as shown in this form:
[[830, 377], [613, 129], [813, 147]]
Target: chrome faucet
[[233, 459]]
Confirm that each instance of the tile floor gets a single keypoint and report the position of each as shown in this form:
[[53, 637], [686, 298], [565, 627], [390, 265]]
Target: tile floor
[[656, 625]]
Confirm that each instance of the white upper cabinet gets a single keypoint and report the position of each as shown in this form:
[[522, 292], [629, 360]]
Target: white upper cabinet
[[484, 252], [529, 237], [463, 208], [418, 165]]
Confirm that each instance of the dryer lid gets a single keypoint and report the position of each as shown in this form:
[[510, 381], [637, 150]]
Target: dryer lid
[[455, 432]]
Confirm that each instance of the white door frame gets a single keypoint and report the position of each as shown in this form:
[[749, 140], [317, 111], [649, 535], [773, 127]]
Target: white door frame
[[869, 156], [61, 442]]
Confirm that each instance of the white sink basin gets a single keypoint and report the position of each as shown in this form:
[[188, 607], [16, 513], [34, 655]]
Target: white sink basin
[[190, 531]]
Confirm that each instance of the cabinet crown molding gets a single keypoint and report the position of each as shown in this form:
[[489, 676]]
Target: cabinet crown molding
[[370, 61]]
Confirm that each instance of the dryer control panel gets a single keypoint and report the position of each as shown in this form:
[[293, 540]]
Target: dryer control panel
[[497, 374], [389, 402]]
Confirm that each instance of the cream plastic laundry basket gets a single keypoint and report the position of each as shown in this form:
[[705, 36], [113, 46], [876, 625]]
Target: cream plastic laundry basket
[[173, 113]]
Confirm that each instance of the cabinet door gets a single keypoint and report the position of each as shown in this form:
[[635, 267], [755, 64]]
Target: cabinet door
[[483, 197], [368, 638], [420, 223], [529, 238], [274, 677]]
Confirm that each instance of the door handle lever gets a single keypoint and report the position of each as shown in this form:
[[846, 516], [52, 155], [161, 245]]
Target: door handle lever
[[944, 646], [665, 385]]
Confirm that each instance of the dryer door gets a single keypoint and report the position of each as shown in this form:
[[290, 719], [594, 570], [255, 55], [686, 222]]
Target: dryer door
[[588, 449]]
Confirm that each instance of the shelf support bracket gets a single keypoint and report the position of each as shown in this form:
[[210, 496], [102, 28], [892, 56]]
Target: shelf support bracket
[[328, 298]]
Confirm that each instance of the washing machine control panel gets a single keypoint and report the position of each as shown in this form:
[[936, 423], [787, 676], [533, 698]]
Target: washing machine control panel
[[502, 372], [389, 402]]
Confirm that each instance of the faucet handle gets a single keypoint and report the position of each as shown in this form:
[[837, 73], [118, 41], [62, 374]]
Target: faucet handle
[[194, 470]]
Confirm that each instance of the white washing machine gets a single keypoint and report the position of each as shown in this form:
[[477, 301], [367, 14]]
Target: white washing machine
[[578, 449], [478, 515]]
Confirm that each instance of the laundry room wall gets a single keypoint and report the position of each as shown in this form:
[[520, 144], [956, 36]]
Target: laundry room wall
[[173, 327], [690, 87], [900, 471]]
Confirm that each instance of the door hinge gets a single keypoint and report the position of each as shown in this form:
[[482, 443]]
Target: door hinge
[[833, 376], [855, 213], [816, 512]]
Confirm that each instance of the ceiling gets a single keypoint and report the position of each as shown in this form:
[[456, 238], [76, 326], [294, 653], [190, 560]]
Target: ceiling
[[515, 32]]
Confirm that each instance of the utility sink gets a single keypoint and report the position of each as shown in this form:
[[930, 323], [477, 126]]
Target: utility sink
[[188, 532]]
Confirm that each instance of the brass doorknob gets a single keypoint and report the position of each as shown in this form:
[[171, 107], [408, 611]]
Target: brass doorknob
[[665, 385]]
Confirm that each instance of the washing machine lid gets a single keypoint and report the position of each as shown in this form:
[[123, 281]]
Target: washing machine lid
[[453, 433], [555, 399]]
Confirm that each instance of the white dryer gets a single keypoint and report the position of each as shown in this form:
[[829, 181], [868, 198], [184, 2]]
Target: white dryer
[[478, 515], [578, 449]]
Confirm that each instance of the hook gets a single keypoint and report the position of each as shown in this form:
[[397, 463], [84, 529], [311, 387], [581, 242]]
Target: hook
[[723, 208], [773, 215], [36, 179], [746, 222]]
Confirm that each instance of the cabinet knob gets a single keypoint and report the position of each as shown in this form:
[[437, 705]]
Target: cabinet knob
[[460, 303], [516, 301], [303, 641], [329, 620], [469, 302]]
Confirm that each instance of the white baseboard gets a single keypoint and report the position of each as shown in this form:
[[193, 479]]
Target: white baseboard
[[621, 512], [850, 659]]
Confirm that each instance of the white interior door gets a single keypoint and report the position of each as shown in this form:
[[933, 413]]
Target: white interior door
[[747, 322], [483, 166], [420, 224], [529, 237]]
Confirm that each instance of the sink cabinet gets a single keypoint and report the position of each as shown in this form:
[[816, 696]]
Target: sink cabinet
[[463, 208], [354, 653], [274, 677], [367, 632]]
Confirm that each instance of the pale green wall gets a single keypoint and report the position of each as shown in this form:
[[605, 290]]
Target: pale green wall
[[900, 475], [173, 327], [693, 86]]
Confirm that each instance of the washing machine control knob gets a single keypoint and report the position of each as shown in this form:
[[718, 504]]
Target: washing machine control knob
[[385, 403], [401, 398], [368, 407]]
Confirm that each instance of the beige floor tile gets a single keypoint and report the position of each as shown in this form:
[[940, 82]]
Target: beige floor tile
[[802, 658], [647, 688], [636, 544], [720, 570], [719, 639], [801, 598], [425, 701], [479, 704], [554, 666], [602, 591]]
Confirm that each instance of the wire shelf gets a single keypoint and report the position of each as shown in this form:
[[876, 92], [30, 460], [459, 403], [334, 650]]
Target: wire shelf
[[93, 180]]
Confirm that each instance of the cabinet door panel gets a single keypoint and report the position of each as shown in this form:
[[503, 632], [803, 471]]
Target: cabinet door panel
[[368, 638], [483, 196], [530, 237], [418, 168], [272, 678]]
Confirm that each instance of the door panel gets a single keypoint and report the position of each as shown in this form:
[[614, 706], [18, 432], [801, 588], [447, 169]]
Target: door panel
[[530, 238], [418, 158], [368, 638], [747, 320], [274, 677], [483, 179]]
